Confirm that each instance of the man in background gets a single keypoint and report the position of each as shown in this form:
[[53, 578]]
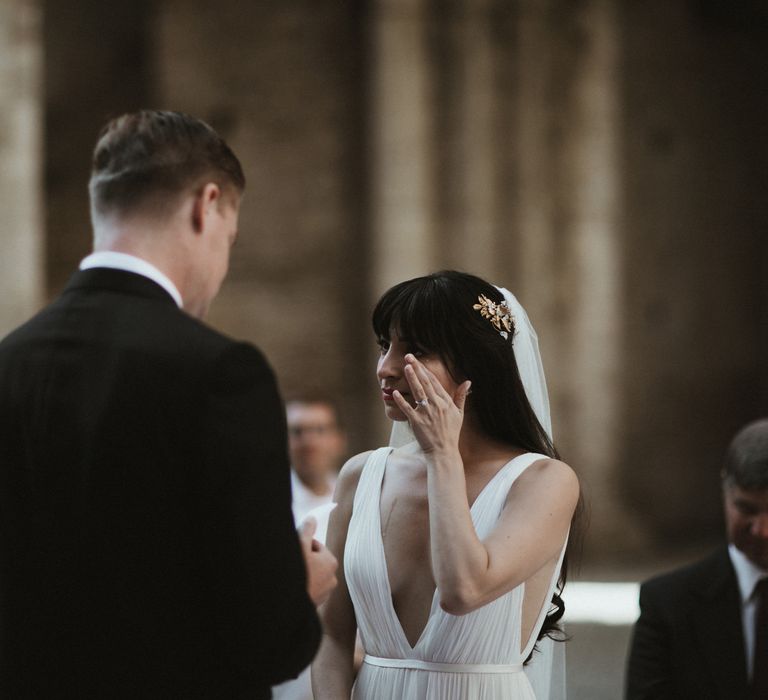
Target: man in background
[[316, 447], [703, 629], [147, 548]]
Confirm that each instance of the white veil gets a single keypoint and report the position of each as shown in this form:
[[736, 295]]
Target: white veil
[[546, 670]]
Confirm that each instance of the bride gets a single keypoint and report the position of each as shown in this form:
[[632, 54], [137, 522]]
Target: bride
[[451, 545]]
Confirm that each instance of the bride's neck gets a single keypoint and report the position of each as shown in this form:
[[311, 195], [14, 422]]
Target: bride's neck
[[476, 447]]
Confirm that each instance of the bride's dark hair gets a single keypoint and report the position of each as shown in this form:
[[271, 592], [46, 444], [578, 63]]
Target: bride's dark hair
[[434, 314]]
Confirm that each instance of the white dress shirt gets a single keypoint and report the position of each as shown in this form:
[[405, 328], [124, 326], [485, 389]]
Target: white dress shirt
[[305, 500], [130, 263], [747, 575]]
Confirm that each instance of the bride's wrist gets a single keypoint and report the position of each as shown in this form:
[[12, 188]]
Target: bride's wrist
[[443, 456]]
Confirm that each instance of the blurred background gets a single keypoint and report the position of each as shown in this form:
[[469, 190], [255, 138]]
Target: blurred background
[[607, 161]]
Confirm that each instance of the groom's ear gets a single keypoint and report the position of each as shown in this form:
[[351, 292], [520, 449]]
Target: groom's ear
[[206, 198]]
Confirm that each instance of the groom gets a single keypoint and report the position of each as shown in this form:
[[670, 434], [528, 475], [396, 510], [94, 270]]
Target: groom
[[146, 542]]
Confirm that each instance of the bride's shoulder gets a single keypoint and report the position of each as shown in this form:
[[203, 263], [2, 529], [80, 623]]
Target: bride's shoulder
[[349, 476], [550, 475], [353, 467]]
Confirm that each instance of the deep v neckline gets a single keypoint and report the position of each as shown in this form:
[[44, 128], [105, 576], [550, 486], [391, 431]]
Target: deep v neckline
[[388, 586]]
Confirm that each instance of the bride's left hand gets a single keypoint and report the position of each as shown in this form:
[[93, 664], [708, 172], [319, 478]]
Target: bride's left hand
[[437, 417]]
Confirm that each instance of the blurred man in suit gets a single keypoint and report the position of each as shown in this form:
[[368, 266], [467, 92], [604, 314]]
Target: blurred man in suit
[[316, 445], [147, 548], [703, 629]]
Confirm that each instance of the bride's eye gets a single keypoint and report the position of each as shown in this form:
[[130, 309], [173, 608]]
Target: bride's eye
[[383, 345]]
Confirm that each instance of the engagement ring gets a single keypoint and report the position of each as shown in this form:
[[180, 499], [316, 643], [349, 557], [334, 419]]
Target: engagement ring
[[422, 403]]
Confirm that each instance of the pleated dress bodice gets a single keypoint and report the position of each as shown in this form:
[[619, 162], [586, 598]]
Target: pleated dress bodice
[[477, 655]]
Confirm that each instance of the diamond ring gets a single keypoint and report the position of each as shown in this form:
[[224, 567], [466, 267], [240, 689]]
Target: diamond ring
[[422, 403]]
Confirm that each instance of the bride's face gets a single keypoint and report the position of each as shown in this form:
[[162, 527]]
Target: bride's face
[[391, 372]]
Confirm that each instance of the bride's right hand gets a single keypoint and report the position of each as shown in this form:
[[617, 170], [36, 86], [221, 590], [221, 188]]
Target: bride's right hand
[[321, 564], [437, 418]]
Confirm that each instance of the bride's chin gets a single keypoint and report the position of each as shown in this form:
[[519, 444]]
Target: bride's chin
[[395, 414]]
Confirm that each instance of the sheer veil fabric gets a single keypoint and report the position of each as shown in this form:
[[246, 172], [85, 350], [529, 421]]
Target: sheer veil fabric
[[546, 670]]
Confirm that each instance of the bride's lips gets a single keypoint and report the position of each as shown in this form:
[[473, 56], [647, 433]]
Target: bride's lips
[[386, 393]]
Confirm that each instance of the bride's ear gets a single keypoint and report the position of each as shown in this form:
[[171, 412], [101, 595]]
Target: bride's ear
[[460, 397]]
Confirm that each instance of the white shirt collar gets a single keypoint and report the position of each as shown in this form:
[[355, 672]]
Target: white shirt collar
[[130, 263], [747, 574]]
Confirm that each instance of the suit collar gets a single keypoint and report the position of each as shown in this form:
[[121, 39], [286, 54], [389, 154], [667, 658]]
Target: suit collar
[[120, 281], [131, 263]]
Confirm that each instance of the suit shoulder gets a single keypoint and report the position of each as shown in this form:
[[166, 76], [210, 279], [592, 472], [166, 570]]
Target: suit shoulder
[[199, 338], [679, 583]]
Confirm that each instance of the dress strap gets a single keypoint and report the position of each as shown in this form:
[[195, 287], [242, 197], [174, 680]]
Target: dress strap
[[370, 478], [518, 465], [419, 665], [489, 503]]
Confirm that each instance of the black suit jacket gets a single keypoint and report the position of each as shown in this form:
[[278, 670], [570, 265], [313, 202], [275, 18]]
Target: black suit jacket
[[688, 641], [147, 548]]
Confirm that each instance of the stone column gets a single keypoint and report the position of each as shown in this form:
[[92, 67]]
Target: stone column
[[476, 247], [571, 240], [401, 196], [21, 235], [465, 138]]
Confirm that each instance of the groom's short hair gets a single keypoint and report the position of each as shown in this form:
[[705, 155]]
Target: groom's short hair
[[147, 159]]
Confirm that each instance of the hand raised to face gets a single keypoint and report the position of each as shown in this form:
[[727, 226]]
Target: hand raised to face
[[437, 416]]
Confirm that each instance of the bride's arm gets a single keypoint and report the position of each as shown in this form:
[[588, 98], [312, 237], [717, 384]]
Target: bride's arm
[[531, 529], [529, 533], [332, 669]]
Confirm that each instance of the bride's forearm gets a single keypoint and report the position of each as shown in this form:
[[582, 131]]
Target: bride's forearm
[[332, 670], [459, 558]]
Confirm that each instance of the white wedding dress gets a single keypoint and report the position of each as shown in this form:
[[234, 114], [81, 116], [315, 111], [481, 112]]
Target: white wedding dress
[[478, 656]]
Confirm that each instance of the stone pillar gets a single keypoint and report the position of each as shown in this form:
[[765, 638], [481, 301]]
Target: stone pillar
[[477, 249], [464, 138], [570, 240], [21, 220], [401, 120]]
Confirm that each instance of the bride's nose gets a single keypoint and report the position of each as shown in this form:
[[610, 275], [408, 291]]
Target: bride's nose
[[390, 366]]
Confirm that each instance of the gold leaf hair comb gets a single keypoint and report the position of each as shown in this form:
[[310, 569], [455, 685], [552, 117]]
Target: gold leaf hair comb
[[498, 314]]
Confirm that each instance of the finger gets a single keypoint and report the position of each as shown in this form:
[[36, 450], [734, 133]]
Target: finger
[[429, 381], [402, 404], [461, 395], [417, 388]]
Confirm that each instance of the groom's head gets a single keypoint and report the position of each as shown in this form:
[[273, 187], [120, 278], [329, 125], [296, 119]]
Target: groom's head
[[144, 162], [166, 187]]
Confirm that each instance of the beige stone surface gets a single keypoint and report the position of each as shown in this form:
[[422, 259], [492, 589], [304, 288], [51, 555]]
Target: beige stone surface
[[21, 200]]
